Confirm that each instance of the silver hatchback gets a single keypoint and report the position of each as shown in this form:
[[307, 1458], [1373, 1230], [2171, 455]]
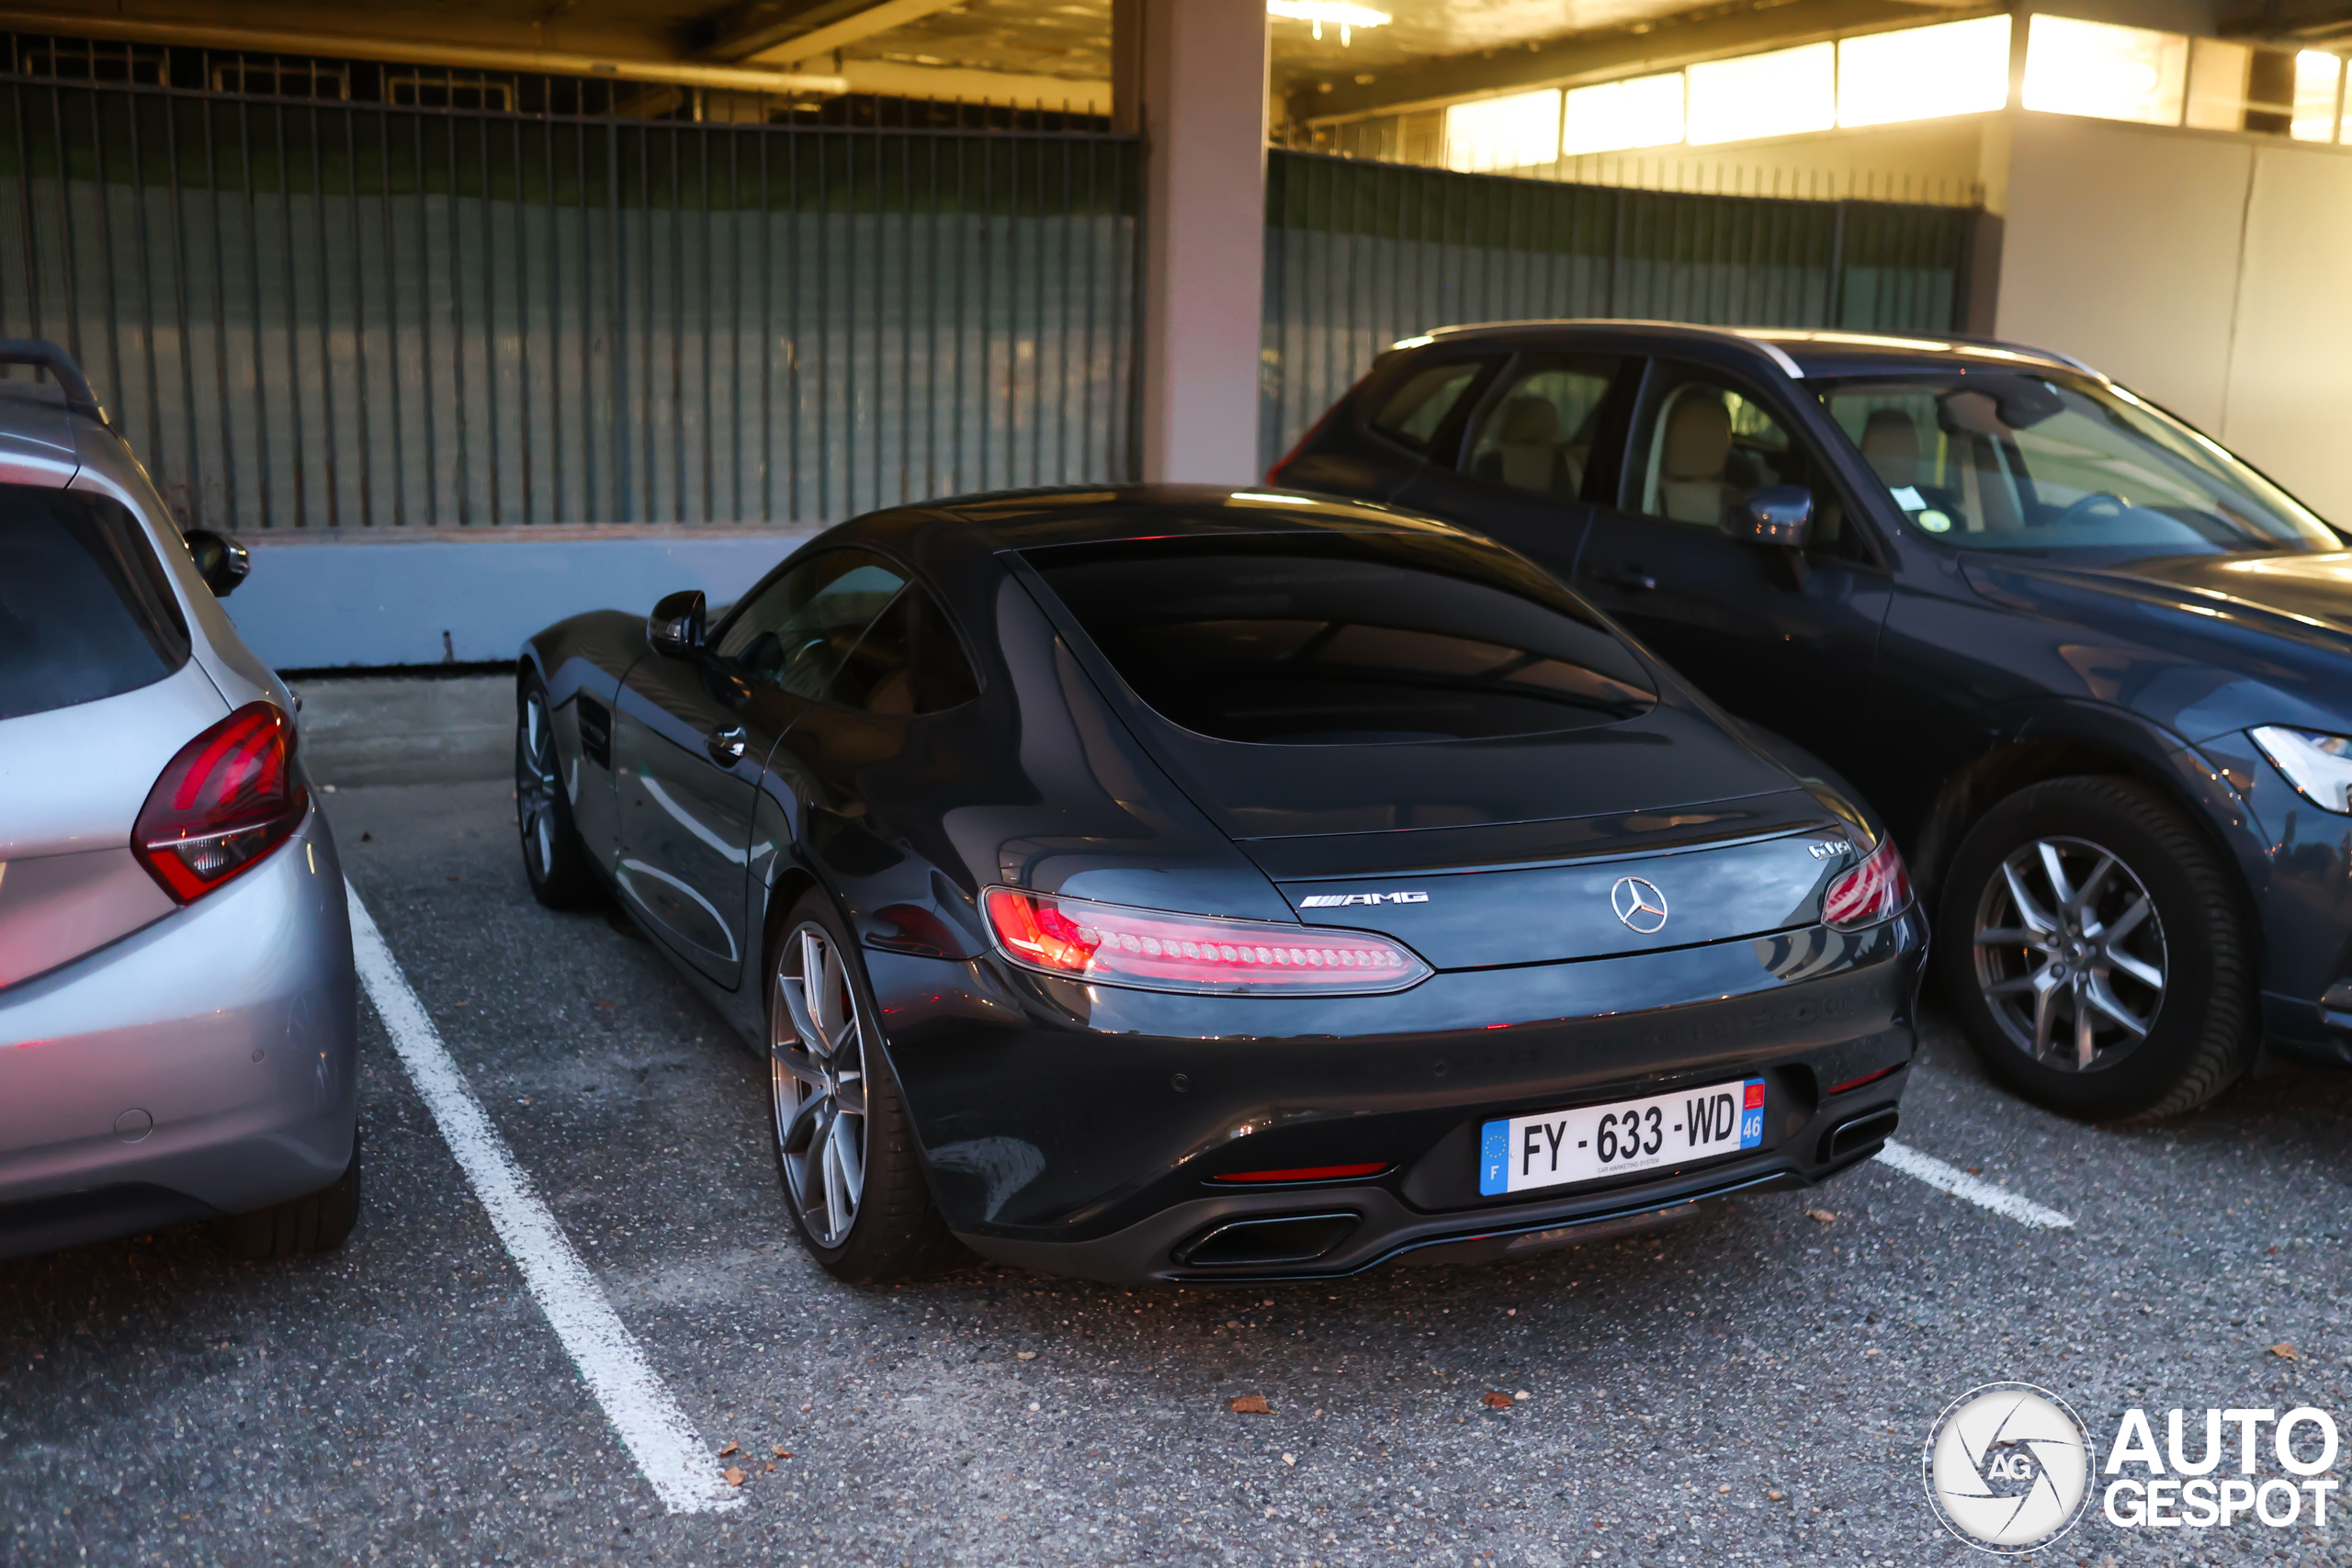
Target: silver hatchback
[[177, 1028]]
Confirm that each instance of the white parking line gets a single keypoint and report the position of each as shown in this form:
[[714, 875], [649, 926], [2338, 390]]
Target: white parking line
[[635, 1399], [1960, 1184]]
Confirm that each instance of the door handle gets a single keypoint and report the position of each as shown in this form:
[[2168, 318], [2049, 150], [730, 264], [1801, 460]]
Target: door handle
[[1634, 578], [726, 746]]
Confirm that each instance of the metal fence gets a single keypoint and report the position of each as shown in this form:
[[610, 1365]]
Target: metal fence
[[450, 307], [1360, 253]]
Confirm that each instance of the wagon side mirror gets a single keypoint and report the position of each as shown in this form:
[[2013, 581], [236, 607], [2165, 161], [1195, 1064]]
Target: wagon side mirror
[[1780, 515], [674, 630], [220, 560]]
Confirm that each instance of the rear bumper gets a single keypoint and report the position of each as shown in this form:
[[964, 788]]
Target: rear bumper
[[206, 1064], [1085, 1131]]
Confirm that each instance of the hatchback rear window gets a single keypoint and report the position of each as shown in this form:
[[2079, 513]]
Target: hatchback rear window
[[1345, 638], [84, 611]]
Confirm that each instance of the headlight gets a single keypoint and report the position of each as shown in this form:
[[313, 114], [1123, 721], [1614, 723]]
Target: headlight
[[2319, 765]]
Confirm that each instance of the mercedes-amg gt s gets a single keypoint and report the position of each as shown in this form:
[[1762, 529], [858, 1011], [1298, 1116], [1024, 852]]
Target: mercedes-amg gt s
[[1179, 884]]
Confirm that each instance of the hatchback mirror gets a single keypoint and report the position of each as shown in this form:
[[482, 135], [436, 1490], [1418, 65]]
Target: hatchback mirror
[[676, 627], [1775, 514], [220, 560]]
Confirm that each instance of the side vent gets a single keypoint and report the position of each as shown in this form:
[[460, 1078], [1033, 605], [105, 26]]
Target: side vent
[[595, 731]]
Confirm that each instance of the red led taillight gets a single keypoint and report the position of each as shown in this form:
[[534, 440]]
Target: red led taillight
[[1156, 950], [227, 800], [1309, 1173], [1878, 889]]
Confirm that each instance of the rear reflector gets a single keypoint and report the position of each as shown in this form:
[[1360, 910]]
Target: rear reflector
[[1309, 1173], [1865, 1078], [1156, 950], [227, 800], [1878, 889]]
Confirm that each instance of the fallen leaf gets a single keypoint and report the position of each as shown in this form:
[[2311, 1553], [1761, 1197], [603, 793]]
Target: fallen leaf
[[1250, 1405], [1823, 1215], [730, 1448], [734, 1477], [771, 1467], [779, 1452], [1289, 1459], [1498, 1401], [1775, 1496], [1024, 1355], [1973, 1169], [2283, 1350]]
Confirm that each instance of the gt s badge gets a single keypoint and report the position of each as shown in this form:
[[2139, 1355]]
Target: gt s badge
[[1341, 900]]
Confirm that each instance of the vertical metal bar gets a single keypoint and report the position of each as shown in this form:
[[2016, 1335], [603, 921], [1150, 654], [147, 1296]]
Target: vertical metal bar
[[824, 331], [988, 293], [291, 306], [793, 228], [430, 401], [522, 208], [391, 316], [326, 308], [25, 228], [1837, 264], [457, 330], [645, 415], [367, 441], [735, 227], [1096, 385], [677, 330], [710, 404], [906, 314], [962, 227], [253, 274], [591, 471], [880, 375], [617, 249], [106, 245], [495, 442], [930, 333], [194, 481], [763, 250], [556, 512], [65, 221]]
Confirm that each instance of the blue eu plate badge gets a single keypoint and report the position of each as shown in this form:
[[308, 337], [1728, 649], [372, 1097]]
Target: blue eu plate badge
[[1591, 1143]]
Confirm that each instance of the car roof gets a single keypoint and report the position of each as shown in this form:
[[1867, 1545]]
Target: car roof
[[36, 434], [1796, 352]]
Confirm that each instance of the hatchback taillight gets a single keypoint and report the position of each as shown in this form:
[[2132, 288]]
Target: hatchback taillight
[[1878, 889], [1154, 950], [227, 800]]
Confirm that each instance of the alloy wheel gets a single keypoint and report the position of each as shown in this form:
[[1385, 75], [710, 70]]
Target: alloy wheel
[[535, 784], [816, 1052], [2070, 954]]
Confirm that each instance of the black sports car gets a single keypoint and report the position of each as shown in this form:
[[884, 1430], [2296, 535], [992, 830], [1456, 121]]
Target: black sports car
[[2093, 666], [1177, 883]]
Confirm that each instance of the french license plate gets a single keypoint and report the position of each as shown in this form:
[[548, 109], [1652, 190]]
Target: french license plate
[[1554, 1148]]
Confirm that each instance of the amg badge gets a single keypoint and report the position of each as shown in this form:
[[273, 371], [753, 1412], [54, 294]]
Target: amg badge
[[1340, 900]]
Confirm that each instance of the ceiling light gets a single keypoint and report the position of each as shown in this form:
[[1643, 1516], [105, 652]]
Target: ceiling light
[[1344, 17], [2104, 71], [1789, 92], [1924, 73]]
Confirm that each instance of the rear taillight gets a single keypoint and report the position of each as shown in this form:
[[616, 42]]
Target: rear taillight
[[1155, 951], [227, 800], [1878, 889]]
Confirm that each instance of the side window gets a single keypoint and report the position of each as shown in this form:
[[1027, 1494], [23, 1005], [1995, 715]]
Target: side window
[[798, 630], [1417, 410], [1703, 446], [1539, 435], [908, 662]]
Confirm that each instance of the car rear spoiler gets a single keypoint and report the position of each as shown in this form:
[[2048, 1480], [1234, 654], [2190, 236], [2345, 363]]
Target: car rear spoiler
[[42, 354]]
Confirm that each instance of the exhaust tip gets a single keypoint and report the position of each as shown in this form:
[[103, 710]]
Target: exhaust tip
[[1287, 1238]]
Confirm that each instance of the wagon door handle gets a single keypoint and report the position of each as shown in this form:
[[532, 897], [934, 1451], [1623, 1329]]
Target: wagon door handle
[[726, 746], [1634, 578]]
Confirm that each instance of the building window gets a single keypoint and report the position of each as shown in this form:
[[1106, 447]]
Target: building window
[[1613, 116], [1503, 133], [1924, 73], [1789, 92], [2104, 72]]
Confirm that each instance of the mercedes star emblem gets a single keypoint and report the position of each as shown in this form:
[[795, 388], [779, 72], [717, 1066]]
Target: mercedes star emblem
[[1639, 904]]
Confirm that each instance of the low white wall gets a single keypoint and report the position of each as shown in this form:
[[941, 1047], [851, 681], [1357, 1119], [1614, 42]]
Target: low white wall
[[2204, 270], [373, 599]]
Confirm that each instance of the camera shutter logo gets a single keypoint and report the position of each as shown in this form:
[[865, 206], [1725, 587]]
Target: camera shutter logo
[[1639, 904], [2007, 1468]]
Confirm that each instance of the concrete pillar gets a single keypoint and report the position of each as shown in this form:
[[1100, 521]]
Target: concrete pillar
[[1202, 65]]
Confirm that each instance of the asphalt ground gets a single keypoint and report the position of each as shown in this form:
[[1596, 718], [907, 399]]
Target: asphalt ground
[[1752, 1387]]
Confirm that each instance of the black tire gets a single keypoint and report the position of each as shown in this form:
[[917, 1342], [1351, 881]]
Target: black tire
[[2078, 986], [318, 1223], [890, 1229], [556, 862]]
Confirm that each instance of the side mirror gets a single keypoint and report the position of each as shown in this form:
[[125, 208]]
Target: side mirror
[[1775, 514], [220, 562], [676, 627]]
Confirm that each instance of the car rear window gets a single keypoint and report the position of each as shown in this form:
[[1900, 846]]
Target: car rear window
[[84, 610], [1345, 638]]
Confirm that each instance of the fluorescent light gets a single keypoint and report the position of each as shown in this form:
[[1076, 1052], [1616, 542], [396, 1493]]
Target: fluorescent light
[[1503, 133], [1786, 93], [1924, 73], [2104, 72], [1343, 17], [2314, 117], [1613, 115]]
